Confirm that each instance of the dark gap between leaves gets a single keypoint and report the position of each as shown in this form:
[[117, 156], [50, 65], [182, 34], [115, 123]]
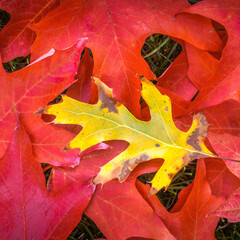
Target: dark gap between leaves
[[16, 64], [47, 172], [160, 51], [86, 230], [4, 18]]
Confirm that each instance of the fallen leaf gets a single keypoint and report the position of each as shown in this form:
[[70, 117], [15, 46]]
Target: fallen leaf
[[221, 180], [26, 90], [159, 137], [189, 218], [114, 204], [28, 211], [231, 208], [224, 83], [16, 37], [202, 65], [224, 118], [116, 32], [179, 105], [175, 78], [120, 204], [227, 146]]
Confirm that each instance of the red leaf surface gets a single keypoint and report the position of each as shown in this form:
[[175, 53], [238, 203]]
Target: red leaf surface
[[26, 90], [221, 180], [16, 38], [224, 118], [202, 65], [28, 211], [224, 83], [81, 89], [189, 72], [224, 183], [115, 43], [231, 208], [189, 218], [175, 78], [227, 146], [224, 131], [116, 205]]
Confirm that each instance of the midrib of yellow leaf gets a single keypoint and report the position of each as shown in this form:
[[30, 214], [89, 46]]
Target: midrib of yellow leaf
[[173, 145]]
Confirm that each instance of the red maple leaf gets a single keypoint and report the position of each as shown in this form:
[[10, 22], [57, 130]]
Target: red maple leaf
[[28, 211], [16, 37], [224, 83], [189, 218], [224, 183], [116, 32], [231, 208], [26, 90], [189, 71]]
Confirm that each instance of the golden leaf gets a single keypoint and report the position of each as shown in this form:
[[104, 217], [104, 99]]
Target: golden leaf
[[157, 138]]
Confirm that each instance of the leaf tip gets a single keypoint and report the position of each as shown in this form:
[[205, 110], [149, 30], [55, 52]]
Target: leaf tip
[[65, 148], [40, 111], [105, 96], [153, 191], [98, 180]]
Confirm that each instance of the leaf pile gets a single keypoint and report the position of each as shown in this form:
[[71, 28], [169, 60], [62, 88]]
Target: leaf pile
[[192, 113]]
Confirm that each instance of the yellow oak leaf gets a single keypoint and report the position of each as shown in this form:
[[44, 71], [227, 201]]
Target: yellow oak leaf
[[158, 138]]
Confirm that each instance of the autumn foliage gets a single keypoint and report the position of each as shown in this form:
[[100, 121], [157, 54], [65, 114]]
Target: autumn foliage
[[202, 81]]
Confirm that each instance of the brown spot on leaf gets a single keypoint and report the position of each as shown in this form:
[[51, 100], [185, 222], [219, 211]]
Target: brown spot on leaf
[[129, 164], [106, 97], [193, 139], [202, 123], [185, 159], [40, 111], [170, 175], [188, 157], [107, 102], [125, 170], [193, 156], [142, 158], [152, 191], [157, 145], [203, 120], [198, 135], [166, 108]]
